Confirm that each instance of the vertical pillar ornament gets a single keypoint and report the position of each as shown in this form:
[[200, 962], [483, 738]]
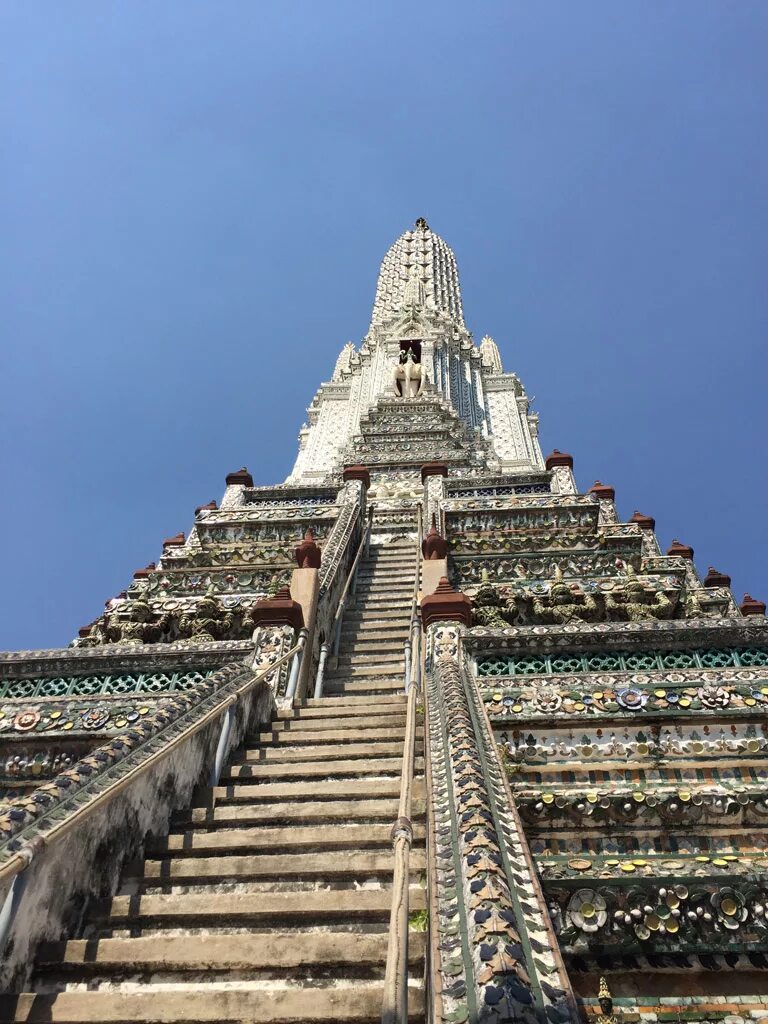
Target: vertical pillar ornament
[[497, 955], [277, 620]]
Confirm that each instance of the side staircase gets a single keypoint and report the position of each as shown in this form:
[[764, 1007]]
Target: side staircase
[[272, 903]]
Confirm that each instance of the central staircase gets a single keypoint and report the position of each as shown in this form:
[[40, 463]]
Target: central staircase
[[270, 903]]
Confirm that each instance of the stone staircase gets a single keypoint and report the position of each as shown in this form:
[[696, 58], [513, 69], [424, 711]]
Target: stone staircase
[[376, 625], [271, 903]]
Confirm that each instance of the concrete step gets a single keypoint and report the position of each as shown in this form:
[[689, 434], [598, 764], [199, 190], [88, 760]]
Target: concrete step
[[308, 769], [379, 615], [375, 685], [290, 839], [382, 809], [329, 752], [390, 717], [245, 790], [356, 702], [313, 907], [204, 1004], [318, 736], [367, 668], [372, 645], [352, 656], [395, 630], [256, 954], [362, 712], [330, 866]]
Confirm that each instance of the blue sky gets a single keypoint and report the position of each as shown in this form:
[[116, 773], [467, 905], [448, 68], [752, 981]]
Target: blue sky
[[195, 197]]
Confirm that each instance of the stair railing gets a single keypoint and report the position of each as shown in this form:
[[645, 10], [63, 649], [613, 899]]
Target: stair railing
[[350, 585], [15, 867], [394, 1009]]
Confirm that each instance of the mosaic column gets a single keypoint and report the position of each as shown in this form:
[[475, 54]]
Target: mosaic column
[[497, 957]]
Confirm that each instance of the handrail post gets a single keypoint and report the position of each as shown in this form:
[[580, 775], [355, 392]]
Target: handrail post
[[321, 670], [290, 690]]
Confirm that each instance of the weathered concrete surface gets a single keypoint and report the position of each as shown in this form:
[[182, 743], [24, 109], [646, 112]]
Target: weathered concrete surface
[[88, 862]]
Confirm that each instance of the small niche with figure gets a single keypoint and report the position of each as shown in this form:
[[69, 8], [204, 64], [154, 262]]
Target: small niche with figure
[[407, 378]]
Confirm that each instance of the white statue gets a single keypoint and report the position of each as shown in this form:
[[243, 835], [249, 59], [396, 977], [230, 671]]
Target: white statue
[[408, 374]]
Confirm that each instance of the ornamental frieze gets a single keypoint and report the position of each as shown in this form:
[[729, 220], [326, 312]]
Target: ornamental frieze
[[637, 695], [645, 806], [667, 915], [466, 571]]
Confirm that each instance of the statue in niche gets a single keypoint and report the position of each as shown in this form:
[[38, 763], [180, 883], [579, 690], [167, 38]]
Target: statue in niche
[[407, 377]]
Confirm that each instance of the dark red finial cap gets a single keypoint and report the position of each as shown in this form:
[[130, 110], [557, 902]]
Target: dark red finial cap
[[446, 604], [433, 469], [434, 546], [242, 478], [644, 522], [749, 606], [279, 610], [141, 574], [307, 554], [681, 550], [558, 458], [174, 542], [357, 473], [210, 507], [602, 490], [716, 579]]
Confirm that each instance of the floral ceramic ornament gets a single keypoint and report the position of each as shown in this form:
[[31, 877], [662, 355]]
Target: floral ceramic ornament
[[632, 699], [26, 720], [730, 907], [587, 910], [95, 718]]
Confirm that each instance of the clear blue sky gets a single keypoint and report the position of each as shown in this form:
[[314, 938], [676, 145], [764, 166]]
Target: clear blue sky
[[195, 197]]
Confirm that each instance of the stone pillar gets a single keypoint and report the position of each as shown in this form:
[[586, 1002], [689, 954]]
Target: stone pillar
[[278, 620], [496, 953], [560, 464]]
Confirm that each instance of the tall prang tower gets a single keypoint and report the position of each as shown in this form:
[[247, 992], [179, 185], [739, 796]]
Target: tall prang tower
[[422, 733]]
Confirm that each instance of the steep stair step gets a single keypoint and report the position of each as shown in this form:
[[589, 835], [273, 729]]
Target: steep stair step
[[392, 719], [361, 712], [375, 685], [353, 615], [295, 737], [329, 789], [307, 770], [288, 755], [329, 866], [205, 1004], [269, 954], [358, 659], [305, 907], [381, 809], [297, 838], [373, 645], [353, 702]]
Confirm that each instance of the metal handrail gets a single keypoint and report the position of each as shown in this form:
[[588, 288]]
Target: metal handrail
[[394, 1009], [351, 577], [16, 864]]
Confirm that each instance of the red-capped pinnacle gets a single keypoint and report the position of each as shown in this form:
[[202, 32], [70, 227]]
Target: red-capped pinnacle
[[210, 507], [307, 554], [279, 610], [680, 550], [558, 458], [750, 606], [716, 579], [357, 473], [446, 605], [174, 542], [242, 478], [141, 574], [644, 522], [434, 546], [433, 469], [602, 490]]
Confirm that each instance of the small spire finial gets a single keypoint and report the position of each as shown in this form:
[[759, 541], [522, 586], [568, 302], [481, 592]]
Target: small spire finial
[[421, 223]]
